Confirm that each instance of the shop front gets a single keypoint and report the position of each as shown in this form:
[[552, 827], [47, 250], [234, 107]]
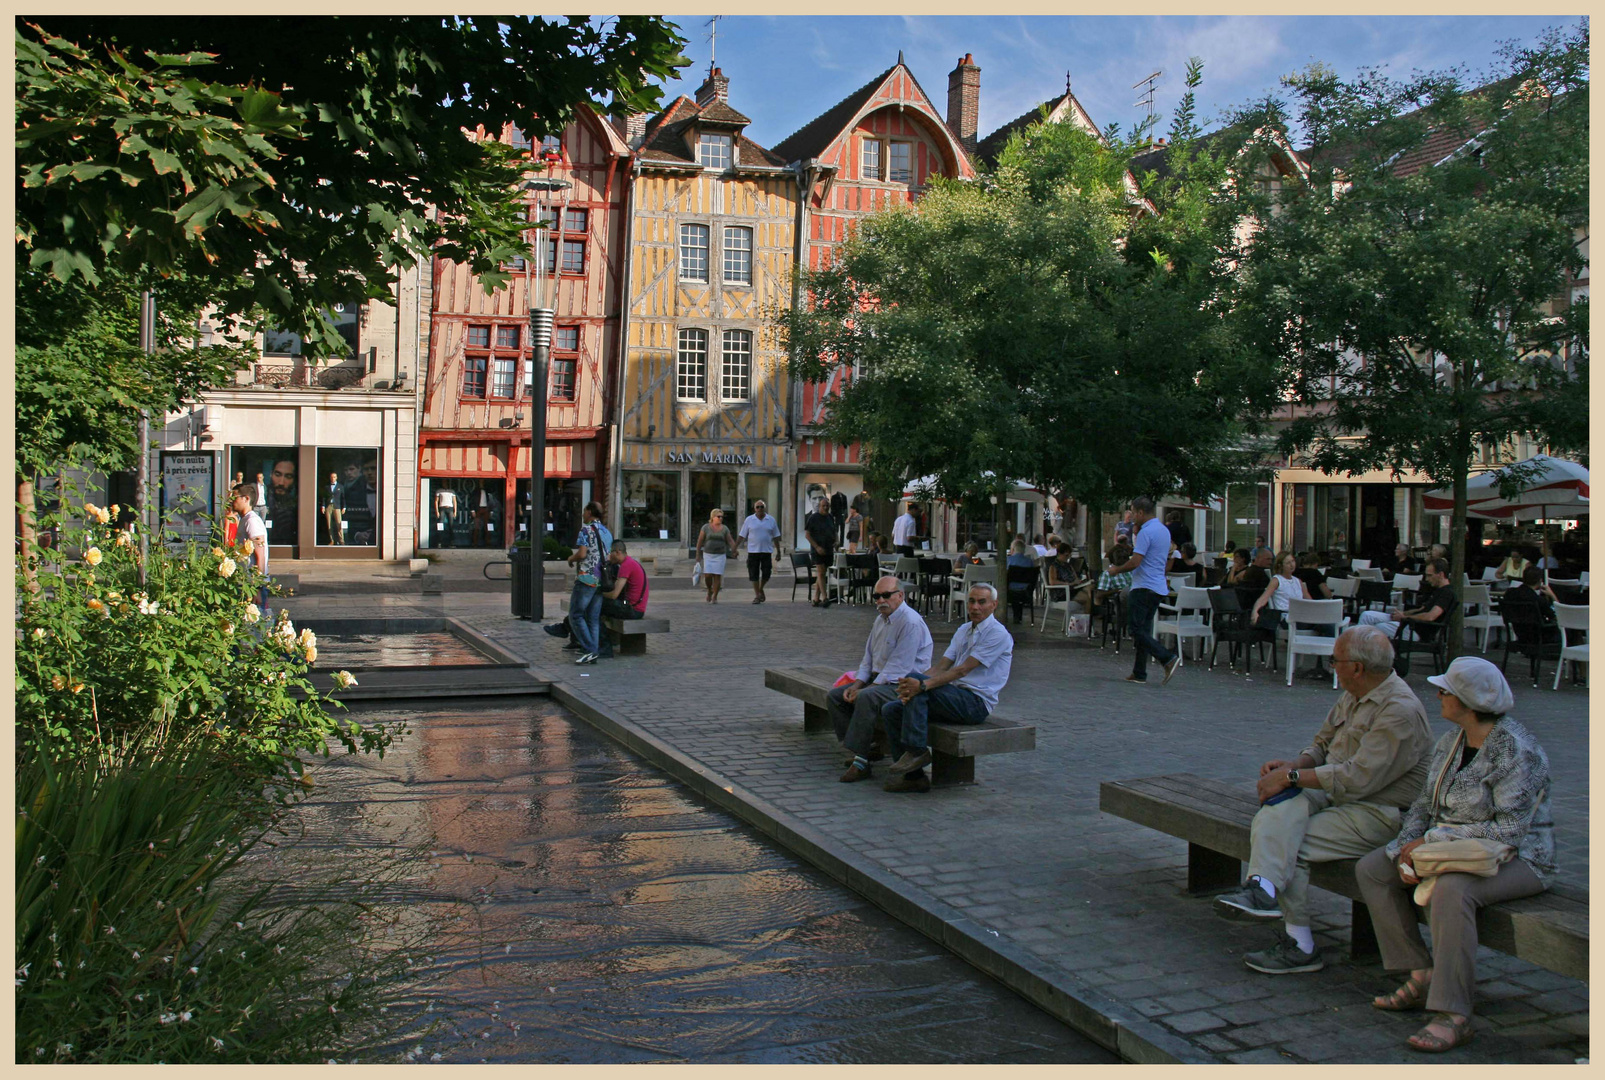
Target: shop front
[[474, 493], [668, 490]]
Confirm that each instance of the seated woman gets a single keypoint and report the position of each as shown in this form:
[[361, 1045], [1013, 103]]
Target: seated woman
[[1020, 555], [1185, 561], [883, 545], [1489, 780], [971, 556], [1314, 581], [1513, 567], [1239, 564], [1059, 573], [1284, 586]]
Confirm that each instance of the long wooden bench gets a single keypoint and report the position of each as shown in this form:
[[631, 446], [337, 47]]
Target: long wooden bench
[[629, 635], [954, 747], [1550, 929]]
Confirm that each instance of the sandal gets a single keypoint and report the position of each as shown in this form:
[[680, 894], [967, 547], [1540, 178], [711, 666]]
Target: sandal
[[1460, 1033], [1411, 997]]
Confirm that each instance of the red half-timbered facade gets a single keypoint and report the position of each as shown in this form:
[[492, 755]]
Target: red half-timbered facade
[[877, 148], [475, 435]]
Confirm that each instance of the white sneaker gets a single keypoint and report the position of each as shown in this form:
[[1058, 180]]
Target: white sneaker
[[588, 658]]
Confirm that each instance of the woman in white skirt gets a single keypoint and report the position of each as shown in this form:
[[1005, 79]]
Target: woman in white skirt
[[713, 546]]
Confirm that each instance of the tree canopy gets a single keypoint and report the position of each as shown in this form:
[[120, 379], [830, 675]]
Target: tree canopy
[[1040, 325], [1416, 291], [298, 162]]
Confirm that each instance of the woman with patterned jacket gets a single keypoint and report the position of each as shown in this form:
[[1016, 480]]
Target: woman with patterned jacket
[[1489, 780]]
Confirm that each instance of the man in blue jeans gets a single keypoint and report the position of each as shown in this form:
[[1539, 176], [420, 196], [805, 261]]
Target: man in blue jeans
[[1150, 552], [960, 688]]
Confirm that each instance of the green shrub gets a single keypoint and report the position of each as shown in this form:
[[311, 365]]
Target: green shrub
[[139, 939]]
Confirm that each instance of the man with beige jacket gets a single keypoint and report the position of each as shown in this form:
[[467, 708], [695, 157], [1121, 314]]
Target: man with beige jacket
[[1340, 799]]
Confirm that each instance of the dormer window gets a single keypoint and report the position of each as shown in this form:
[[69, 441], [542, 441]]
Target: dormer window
[[714, 151]]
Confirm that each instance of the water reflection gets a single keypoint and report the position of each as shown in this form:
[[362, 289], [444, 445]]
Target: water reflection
[[395, 650], [584, 909]]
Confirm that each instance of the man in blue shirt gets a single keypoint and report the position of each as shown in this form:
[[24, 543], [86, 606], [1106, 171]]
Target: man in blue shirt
[[899, 643], [1151, 549]]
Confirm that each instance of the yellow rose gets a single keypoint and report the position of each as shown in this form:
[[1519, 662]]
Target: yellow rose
[[311, 654], [92, 556], [248, 547], [226, 567], [217, 553], [253, 613], [344, 679], [122, 539], [77, 686], [115, 509], [57, 682], [95, 605], [228, 628]]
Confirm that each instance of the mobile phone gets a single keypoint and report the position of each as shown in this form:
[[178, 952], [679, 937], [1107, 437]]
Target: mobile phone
[[1282, 796]]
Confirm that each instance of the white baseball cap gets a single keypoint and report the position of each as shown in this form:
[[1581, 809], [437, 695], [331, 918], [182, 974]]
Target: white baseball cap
[[1480, 685]]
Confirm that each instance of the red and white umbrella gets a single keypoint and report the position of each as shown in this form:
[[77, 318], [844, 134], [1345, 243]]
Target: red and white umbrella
[[1554, 488]]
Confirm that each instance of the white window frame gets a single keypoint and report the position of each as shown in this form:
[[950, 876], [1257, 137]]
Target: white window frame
[[869, 160], [691, 365], [716, 151], [891, 167], [741, 273], [735, 366], [504, 364], [689, 233]]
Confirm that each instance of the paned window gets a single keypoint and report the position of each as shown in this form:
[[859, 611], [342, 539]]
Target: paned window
[[507, 337], [574, 221], [565, 361], [713, 151], [573, 255], [737, 256], [693, 253], [735, 374], [902, 163], [504, 375], [479, 337], [871, 160], [650, 506], [552, 144], [691, 366], [474, 376], [517, 262], [517, 138]]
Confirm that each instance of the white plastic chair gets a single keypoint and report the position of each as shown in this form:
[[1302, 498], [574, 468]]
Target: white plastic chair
[[1188, 618], [837, 577], [1571, 618], [1054, 596], [1302, 617], [1365, 573], [1179, 581], [960, 591], [1583, 578], [1486, 619], [1359, 564], [907, 570]]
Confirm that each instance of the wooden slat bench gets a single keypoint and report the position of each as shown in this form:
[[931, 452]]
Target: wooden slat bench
[[954, 747], [629, 635], [1550, 929]]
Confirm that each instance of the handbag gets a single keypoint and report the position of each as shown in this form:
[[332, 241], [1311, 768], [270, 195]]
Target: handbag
[[1461, 856], [696, 574]]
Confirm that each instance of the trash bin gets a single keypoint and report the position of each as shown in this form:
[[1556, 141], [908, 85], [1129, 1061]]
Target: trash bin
[[520, 579]]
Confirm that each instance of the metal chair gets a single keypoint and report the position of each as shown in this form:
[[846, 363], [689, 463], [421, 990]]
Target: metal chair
[[1529, 629], [1022, 575], [1373, 592], [802, 572], [1573, 622], [935, 576], [1480, 614], [1231, 624], [1429, 637], [1113, 612], [862, 573], [1302, 617]]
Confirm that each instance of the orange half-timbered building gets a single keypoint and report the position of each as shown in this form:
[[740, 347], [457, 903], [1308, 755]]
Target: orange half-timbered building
[[877, 148], [475, 435]]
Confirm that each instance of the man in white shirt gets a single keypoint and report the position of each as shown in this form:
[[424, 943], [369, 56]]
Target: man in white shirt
[[760, 533], [960, 688], [903, 532], [899, 643], [253, 528]]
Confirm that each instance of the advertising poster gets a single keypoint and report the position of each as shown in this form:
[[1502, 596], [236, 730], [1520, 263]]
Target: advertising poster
[[188, 503]]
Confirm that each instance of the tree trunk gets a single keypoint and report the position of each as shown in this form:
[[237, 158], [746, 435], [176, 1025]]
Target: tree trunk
[[26, 536], [1094, 543], [1457, 559]]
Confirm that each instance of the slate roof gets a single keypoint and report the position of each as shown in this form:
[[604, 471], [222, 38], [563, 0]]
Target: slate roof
[[990, 147], [666, 143], [811, 139]]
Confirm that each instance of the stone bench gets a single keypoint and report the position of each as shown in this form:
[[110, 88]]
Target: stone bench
[[954, 747], [1550, 929], [629, 635]]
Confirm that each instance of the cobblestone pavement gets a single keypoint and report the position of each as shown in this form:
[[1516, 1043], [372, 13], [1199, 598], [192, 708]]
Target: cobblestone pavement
[[1026, 853]]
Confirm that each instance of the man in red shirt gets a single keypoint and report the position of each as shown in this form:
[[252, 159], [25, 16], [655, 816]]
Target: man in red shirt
[[627, 598]]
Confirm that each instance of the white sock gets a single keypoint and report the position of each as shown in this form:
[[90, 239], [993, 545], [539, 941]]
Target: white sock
[[1302, 935], [1270, 889]]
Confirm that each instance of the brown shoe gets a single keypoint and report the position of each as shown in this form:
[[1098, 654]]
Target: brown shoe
[[854, 774], [914, 781], [911, 761]]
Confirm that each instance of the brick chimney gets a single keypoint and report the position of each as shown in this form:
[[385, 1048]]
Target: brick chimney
[[715, 88], [964, 100], [632, 128]]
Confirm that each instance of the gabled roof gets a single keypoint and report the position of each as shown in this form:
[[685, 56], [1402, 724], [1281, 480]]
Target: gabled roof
[[1156, 159], [990, 147], [812, 138], [666, 143]]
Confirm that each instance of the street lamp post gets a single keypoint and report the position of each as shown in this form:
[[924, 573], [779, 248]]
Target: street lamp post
[[541, 314]]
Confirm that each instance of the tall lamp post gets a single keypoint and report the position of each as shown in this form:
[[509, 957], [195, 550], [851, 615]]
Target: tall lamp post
[[543, 294]]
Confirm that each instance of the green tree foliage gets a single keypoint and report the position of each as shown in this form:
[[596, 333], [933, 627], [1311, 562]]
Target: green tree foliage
[[1408, 288], [293, 162], [1040, 325]]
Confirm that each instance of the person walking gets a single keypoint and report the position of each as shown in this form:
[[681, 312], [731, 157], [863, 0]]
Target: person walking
[[1151, 548], [855, 529], [713, 547], [820, 528], [254, 529], [761, 533]]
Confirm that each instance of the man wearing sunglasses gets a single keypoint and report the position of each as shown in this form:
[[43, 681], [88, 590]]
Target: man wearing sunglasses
[[1342, 797], [899, 642]]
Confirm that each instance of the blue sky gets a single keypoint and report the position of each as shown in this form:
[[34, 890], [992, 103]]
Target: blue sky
[[785, 70]]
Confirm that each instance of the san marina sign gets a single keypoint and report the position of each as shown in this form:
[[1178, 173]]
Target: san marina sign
[[706, 457]]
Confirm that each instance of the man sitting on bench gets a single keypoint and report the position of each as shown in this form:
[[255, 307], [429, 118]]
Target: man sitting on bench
[[1341, 799], [627, 598], [960, 688], [899, 642]]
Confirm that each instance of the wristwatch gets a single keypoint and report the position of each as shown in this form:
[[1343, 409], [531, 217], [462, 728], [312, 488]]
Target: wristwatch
[[1292, 777]]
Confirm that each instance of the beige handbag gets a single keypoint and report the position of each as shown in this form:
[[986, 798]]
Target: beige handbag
[[1466, 856]]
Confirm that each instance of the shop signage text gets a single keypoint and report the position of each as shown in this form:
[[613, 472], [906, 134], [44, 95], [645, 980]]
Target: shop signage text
[[707, 458]]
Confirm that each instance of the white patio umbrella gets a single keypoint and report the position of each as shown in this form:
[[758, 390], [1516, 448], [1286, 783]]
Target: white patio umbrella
[[1555, 488]]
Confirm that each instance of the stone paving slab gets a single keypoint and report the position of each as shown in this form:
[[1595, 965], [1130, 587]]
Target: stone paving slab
[[1025, 854]]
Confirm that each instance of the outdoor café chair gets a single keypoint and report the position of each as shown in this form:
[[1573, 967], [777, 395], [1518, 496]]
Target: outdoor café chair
[[1304, 619], [1530, 630], [1187, 619], [1573, 623], [1231, 624], [1480, 613]]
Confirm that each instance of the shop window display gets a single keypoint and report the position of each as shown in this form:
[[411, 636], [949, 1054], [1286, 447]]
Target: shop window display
[[275, 469], [348, 497]]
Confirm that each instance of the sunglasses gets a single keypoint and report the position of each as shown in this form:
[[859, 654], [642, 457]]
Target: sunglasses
[[884, 595]]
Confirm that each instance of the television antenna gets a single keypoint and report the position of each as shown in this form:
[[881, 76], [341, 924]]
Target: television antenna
[[713, 41], [1147, 97]]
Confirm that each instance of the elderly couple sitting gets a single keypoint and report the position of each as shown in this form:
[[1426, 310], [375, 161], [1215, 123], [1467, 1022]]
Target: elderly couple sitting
[[898, 689], [1372, 785]]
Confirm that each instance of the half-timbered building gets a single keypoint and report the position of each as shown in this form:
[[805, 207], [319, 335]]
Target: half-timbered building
[[478, 390], [877, 148], [703, 399]]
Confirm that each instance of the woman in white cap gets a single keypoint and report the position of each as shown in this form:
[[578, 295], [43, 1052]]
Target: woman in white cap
[[1489, 780]]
